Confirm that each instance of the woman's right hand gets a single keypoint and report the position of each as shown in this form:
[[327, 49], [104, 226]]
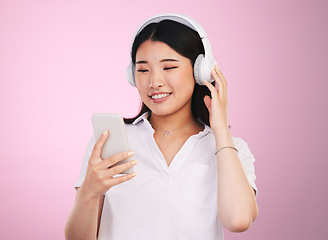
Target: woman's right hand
[[99, 176]]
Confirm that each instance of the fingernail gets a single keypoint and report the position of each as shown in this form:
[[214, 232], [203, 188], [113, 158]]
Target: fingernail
[[130, 153], [134, 162], [105, 132], [133, 174]]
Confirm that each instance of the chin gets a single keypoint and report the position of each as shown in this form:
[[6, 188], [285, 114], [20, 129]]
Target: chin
[[161, 113]]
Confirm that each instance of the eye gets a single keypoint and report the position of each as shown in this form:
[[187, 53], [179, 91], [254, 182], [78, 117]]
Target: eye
[[169, 68], [142, 70]]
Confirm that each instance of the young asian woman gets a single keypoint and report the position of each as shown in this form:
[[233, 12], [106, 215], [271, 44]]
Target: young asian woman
[[193, 176]]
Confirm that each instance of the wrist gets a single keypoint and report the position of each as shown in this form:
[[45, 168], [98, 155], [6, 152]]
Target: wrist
[[86, 196], [223, 137]]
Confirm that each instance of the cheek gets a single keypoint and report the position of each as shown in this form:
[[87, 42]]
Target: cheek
[[188, 83], [142, 89], [190, 86]]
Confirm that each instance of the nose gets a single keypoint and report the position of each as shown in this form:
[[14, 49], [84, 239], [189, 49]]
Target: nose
[[156, 80]]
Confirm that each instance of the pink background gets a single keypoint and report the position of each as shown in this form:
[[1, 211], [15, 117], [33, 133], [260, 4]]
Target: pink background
[[61, 61]]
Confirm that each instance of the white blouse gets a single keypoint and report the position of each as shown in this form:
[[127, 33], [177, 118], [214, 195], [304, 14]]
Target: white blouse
[[176, 202]]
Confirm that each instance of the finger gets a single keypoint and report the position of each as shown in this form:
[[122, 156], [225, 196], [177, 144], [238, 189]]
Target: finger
[[212, 89], [121, 167], [121, 179], [218, 71], [222, 80], [110, 161], [100, 143]]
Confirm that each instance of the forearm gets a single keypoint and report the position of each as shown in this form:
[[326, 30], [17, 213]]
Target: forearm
[[83, 220], [237, 206]]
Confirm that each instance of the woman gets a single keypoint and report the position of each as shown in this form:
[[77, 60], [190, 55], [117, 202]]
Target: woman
[[193, 176]]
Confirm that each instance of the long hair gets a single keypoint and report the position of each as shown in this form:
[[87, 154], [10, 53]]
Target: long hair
[[184, 41]]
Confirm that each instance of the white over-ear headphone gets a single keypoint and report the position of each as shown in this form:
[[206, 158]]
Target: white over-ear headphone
[[204, 64]]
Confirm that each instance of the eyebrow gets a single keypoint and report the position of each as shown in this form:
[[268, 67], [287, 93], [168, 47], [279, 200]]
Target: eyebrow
[[163, 60], [141, 62]]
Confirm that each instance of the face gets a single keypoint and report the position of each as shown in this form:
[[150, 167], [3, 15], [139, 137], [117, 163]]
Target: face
[[164, 79]]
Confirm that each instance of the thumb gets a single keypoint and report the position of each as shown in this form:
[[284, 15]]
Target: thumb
[[97, 149]]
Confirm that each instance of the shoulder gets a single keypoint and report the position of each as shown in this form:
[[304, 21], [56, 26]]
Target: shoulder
[[137, 131], [130, 127], [242, 146], [239, 143], [140, 124]]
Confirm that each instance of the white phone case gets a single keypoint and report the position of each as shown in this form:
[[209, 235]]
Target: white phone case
[[117, 141]]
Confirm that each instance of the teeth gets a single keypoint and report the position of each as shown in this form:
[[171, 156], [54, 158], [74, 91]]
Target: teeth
[[160, 96]]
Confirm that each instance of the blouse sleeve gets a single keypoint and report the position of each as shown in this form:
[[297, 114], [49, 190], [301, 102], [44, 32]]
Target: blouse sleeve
[[85, 161], [247, 160]]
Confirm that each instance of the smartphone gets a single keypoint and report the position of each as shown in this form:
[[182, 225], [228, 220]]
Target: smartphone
[[117, 141]]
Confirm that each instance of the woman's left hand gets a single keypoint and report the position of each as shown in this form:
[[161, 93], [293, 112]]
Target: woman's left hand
[[218, 104]]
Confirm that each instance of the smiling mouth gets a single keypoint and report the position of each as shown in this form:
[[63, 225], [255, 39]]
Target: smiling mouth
[[162, 95]]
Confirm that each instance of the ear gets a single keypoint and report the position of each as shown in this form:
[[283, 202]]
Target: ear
[[207, 101]]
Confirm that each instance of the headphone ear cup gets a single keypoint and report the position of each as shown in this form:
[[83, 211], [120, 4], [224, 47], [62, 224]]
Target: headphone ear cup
[[130, 74], [203, 69], [197, 69]]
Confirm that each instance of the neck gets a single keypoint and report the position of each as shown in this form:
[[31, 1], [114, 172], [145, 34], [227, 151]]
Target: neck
[[169, 122]]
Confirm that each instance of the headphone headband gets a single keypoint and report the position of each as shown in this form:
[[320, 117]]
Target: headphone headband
[[180, 18]]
